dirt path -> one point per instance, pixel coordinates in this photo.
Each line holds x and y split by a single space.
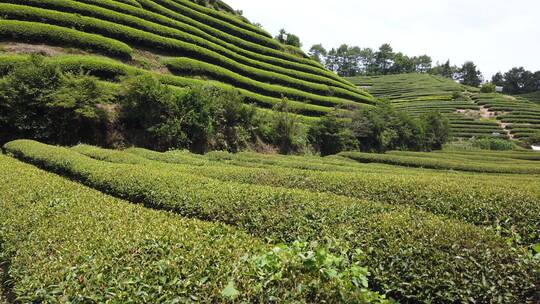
485 113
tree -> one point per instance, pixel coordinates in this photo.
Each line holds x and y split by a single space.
436 130
318 53
402 64
423 63
498 79
330 135
285 128
488 87
518 81
38 101
384 58
287 38
469 75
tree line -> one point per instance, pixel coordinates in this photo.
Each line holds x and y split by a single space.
518 81
350 61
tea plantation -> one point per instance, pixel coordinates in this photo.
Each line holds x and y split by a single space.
200 225
85 224
180 42
471 113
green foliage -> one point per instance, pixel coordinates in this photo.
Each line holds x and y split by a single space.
534 139
40 33
331 135
350 61
469 75
38 101
494 144
393 237
289 39
327 273
200 118
284 129
161 114
488 87
436 130
383 129
518 81
84 242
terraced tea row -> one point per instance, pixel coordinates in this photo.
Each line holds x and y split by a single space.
86 246
521 117
112 70
215 50
418 94
445 161
392 237
480 201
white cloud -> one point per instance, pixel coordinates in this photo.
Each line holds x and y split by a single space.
495 34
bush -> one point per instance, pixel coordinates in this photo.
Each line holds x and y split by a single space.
330 135
488 88
38 101
382 128
436 130
199 118
161 117
285 129
534 139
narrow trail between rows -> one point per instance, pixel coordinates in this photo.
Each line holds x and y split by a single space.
486 113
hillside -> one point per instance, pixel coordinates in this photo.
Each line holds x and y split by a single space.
470 112
181 42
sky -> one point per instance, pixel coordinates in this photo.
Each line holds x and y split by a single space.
495 34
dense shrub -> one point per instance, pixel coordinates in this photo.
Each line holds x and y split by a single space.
534 139
200 118
331 135
414 256
165 118
436 130
488 88
283 130
38 101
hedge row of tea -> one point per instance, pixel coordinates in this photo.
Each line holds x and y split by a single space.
413 255
521 117
67 243
445 161
418 94
228 52
480 201
112 70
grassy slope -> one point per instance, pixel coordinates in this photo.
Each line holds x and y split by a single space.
248 58
473 114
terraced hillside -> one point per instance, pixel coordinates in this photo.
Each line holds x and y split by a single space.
183 43
471 113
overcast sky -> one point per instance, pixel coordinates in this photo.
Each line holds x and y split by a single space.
496 34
